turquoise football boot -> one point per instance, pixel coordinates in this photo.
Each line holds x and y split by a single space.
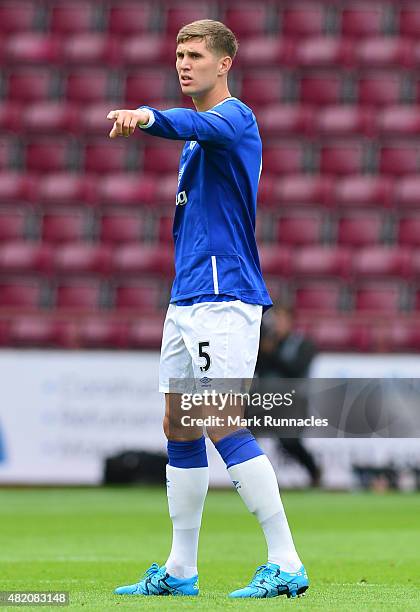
156 581
270 581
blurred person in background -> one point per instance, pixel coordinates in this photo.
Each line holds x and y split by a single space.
285 353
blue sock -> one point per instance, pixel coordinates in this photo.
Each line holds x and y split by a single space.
191 454
238 447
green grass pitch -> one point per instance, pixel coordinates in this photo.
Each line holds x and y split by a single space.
362 551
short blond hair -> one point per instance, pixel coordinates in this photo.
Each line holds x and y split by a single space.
217 36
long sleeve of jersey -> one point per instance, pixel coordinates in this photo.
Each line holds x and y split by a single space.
222 127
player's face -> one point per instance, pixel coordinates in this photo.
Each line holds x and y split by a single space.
197 67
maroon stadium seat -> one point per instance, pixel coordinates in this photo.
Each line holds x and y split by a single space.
280 119
146 333
147 50
378 297
145 85
124 188
161 157
24 257
410 21
318 296
140 297
29 85
399 120
103 155
93 121
65 188
102 333
12 224
166 189
399 158
17 16
50 118
275 260
127 18
360 229
320 261
72 17
386 51
321 88
65 226
32 48
305 19
81 295
262 88
13 186
20 293
367 20
401 335
408 231
176 16
380 261
87 85
303 189
358 190
345 120
122 227
248 19
380 89
136 260
82 258
91 48
31 331
338 334
284 157
407 191
322 52
47 155
263 52
300 229
342 158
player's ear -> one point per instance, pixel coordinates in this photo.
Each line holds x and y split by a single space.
224 65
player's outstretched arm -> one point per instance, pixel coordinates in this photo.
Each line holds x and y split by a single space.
126 121
222 127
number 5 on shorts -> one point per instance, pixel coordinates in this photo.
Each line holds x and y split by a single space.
204 354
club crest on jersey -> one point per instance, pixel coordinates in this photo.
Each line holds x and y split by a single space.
181 198
192 144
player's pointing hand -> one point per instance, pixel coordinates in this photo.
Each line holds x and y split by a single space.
126 121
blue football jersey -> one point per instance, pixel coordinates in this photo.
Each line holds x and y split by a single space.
214 224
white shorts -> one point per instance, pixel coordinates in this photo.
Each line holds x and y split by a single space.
216 340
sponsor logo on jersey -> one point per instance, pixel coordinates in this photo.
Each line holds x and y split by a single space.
181 198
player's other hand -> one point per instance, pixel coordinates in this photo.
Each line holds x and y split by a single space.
126 121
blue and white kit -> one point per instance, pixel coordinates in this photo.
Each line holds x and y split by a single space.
216 256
